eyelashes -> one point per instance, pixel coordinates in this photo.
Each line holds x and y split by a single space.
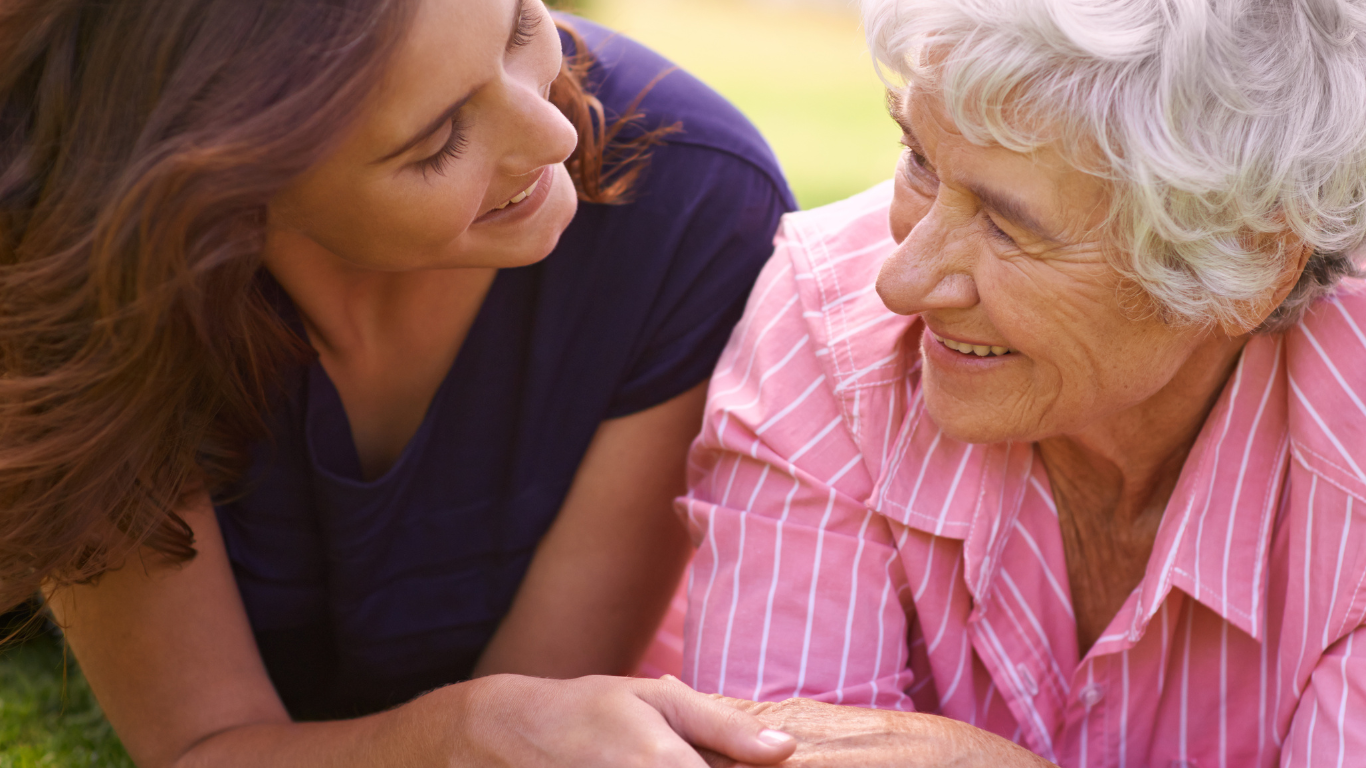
454 147
996 232
527 25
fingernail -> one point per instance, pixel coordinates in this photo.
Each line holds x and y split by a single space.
775 738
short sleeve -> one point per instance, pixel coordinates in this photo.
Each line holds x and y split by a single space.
795 589
723 233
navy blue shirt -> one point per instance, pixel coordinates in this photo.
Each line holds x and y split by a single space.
364 594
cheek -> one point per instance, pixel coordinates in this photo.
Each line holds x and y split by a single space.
1047 313
1087 355
425 215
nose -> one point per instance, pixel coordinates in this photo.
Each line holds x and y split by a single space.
537 134
932 267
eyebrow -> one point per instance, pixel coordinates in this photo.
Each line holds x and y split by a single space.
454 109
1014 209
1010 207
894 109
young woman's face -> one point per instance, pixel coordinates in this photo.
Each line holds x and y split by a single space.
458 130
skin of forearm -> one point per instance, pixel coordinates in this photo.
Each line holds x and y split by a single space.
424 732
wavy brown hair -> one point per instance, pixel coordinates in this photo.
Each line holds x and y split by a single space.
140 142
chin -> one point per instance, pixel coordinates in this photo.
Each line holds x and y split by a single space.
530 244
968 422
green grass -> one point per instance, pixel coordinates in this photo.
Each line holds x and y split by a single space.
801 74
48 718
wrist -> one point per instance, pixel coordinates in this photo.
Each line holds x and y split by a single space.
433 727
469 718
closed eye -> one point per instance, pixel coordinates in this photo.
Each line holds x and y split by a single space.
995 231
528 23
450 151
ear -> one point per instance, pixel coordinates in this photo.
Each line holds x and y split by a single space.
1295 254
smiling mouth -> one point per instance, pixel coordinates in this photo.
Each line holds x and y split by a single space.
973 349
520 196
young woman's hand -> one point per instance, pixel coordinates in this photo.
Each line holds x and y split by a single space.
170 655
831 736
606 722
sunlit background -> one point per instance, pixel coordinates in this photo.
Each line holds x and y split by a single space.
798 68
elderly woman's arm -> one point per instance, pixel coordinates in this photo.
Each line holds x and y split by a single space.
833 736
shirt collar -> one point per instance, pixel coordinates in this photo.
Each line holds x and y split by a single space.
1214 539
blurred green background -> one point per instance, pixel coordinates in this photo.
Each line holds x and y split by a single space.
798 68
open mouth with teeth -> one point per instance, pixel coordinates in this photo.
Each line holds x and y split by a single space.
979 350
519 197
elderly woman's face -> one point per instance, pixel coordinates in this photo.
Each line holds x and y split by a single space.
1030 332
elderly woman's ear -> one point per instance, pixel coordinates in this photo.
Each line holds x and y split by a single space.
1294 254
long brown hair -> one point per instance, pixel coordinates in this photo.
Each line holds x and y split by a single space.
140 142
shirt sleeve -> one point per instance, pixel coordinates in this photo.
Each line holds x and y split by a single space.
720 232
795 588
1329 726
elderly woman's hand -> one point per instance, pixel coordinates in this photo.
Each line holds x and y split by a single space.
831 736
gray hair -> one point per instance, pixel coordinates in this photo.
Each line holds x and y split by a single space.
1221 123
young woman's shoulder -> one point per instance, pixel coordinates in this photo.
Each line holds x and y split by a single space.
625 71
663 276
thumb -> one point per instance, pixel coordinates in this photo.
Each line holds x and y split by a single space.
705 722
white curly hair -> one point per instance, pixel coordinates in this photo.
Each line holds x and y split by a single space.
1218 122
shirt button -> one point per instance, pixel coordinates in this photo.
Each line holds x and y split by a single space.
1091 695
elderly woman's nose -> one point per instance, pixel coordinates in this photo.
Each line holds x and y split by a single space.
932 268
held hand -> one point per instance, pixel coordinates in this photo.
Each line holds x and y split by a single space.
606 722
832 736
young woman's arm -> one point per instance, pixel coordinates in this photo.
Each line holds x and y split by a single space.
603 575
170 656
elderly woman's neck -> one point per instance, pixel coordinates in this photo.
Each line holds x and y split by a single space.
1112 482
1121 463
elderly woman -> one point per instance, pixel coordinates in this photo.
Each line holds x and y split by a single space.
1073 453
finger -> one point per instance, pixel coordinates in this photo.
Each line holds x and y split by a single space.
744 705
716 759
661 745
719 727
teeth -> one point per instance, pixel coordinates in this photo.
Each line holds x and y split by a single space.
517 198
980 350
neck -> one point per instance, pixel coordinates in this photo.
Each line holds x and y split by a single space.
1128 463
1112 482
348 310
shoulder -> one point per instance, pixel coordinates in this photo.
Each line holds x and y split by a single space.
816 346
835 253
623 70
1326 369
1319 561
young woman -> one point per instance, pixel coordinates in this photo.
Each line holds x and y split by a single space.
322 400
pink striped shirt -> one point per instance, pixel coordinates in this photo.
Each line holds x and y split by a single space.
851 553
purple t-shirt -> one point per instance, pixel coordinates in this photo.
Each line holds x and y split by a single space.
363 594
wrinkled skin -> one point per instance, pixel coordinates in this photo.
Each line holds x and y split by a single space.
831 736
